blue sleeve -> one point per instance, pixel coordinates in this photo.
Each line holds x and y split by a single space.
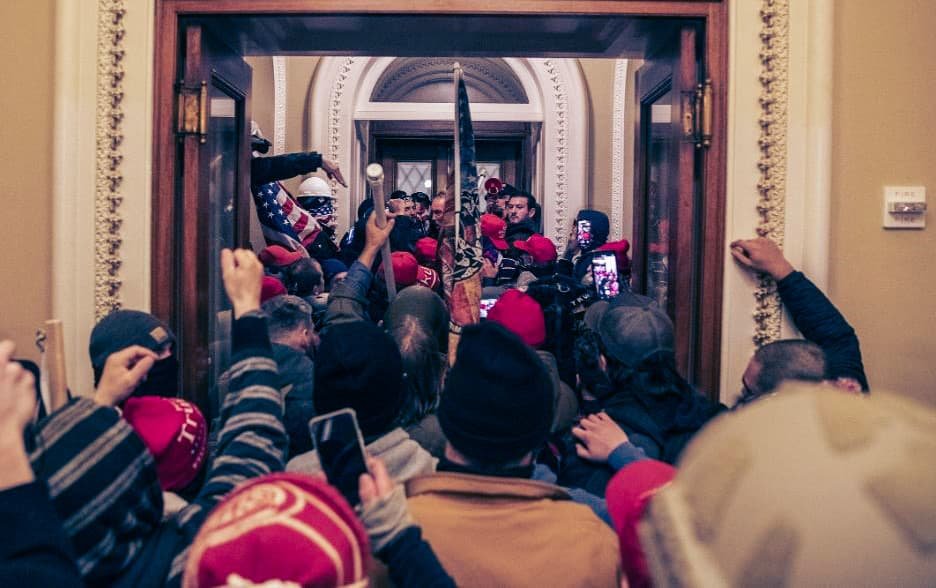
348 300
820 322
625 454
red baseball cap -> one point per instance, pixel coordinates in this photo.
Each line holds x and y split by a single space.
271 288
426 248
175 433
494 227
288 527
620 249
520 314
493 185
279 256
539 247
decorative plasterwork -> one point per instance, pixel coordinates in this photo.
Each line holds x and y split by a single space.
425 79
771 204
279 105
617 150
109 137
559 132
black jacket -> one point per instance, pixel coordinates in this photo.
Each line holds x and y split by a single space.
820 322
520 231
264 170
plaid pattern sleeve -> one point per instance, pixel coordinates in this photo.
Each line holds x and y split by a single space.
252 440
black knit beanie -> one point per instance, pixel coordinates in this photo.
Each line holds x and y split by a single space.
357 365
123 328
498 399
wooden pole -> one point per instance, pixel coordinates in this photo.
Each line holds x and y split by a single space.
375 178
55 364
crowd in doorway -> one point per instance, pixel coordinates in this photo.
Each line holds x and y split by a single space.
553 443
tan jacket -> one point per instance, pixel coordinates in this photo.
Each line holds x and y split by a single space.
490 531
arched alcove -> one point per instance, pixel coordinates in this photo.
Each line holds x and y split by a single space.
429 79
555 95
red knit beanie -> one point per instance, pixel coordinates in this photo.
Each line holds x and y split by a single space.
175 433
426 249
286 527
521 315
271 288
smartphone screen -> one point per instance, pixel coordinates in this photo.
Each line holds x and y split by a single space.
486 305
340 449
583 234
605 275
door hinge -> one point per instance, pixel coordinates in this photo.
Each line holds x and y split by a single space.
192 110
697 115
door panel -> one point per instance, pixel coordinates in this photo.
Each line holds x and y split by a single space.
214 192
668 168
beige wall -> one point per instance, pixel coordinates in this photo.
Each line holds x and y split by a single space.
599 78
884 128
27 46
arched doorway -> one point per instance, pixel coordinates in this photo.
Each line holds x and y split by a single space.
556 107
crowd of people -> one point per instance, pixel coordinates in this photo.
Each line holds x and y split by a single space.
558 444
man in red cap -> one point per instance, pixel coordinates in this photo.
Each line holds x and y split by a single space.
538 254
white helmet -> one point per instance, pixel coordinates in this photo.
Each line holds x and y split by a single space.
314 186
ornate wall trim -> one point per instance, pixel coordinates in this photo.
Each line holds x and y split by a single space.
771 187
279 105
617 149
109 137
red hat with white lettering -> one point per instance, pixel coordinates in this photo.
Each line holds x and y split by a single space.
285 529
175 433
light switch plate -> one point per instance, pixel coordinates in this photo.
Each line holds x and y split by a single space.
904 198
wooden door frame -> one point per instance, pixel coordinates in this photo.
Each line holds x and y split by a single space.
714 13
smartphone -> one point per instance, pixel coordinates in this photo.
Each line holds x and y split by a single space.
605 275
583 234
486 305
340 448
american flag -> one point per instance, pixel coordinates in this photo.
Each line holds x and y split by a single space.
284 222
460 248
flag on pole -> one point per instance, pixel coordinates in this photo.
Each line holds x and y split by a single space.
460 247
283 221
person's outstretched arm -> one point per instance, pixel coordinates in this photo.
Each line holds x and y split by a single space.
35 550
252 440
264 170
813 313
348 300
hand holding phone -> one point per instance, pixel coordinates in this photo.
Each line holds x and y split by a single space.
583 234
340 448
605 275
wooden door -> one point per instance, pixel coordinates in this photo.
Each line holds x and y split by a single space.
431 160
213 194
667 248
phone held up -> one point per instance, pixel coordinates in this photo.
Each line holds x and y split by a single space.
340 448
486 305
583 234
605 275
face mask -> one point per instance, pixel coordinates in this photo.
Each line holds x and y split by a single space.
161 379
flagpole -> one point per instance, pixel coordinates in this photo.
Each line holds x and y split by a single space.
457 187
